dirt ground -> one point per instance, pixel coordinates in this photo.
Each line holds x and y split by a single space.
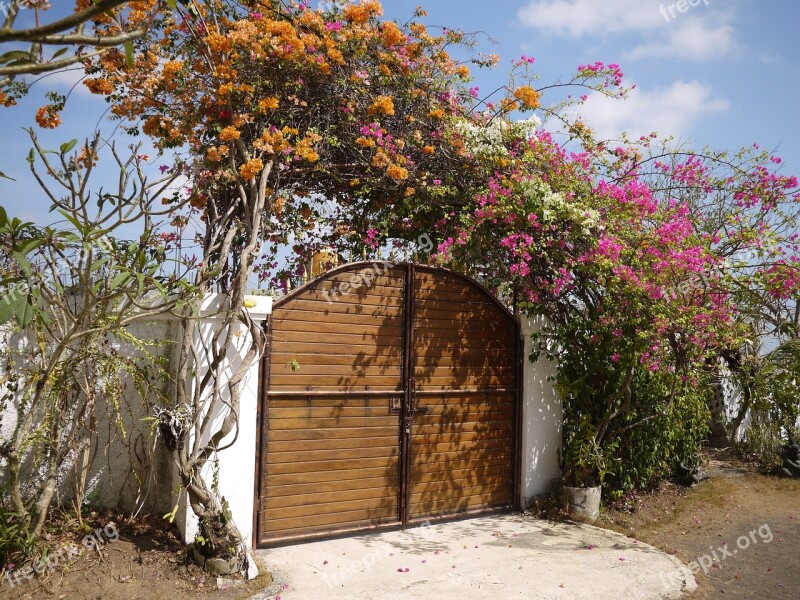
145 561
755 518
739 530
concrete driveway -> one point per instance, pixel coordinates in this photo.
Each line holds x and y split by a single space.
508 556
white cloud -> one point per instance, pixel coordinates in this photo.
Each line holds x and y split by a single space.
702 32
691 39
669 111
585 17
64 81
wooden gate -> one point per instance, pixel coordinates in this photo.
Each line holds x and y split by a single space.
391 396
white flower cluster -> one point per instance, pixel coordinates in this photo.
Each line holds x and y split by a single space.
486 140
554 206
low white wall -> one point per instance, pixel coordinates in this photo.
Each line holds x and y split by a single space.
122 467
541 421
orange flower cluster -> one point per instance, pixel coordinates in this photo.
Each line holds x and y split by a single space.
216 154
47 117
383 105
391 34
99 86
251 168
528 96
268 103
229 134
397 172
361 13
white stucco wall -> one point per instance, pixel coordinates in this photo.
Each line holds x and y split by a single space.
541 422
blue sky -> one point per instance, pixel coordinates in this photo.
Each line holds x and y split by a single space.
722 73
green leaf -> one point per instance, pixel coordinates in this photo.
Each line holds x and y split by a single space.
23 263
21 55
58 53
31 156
129 52
11 304
67 146
118 280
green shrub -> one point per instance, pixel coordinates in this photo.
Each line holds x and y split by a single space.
16 540
645 455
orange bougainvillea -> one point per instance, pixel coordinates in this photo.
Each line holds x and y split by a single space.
383 105
325 102
397 173
251 168
47 117
528 96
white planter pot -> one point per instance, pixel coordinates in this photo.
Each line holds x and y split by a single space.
582 502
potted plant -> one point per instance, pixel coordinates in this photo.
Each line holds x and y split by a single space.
583 468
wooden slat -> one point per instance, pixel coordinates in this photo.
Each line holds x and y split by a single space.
469 475
450 439
312 370
311 493
446 460
461 488
423 381
462 372
475 412
316 412
303 532
279 479
468 464
320 466
368 350
480 313
374 502
466 448
335 501
455 400
425 507
345 305
349 422
333 433
379 514
346 336
359 442
435 428
302 381
320 455
377 327
345 360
